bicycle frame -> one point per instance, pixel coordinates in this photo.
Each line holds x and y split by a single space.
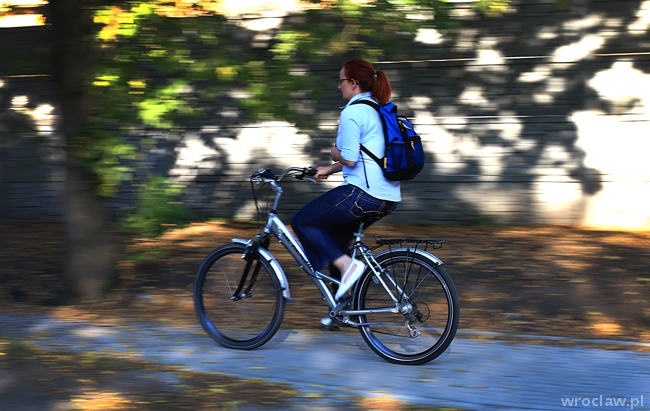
276 227
403 294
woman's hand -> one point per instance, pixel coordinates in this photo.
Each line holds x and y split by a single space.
323 172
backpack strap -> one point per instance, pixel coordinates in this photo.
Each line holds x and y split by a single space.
376 106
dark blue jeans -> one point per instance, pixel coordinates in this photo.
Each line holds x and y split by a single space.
326 225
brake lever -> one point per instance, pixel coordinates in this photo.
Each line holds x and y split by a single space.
310 173
306 173
260 175
267 173
304 177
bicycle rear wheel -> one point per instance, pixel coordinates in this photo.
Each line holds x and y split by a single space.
430 309
245 323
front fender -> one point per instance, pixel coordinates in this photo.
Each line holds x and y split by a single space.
277 269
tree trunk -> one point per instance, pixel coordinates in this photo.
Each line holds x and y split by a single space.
88 261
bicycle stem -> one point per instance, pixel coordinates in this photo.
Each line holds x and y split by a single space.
278 194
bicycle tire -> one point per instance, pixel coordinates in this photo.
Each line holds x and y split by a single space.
244 324
431 292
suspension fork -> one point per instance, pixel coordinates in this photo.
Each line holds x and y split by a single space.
249 255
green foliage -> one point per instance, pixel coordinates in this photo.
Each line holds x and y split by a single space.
366 30
198 60
156 71
104 153
155 110
158 208
493 7
565 4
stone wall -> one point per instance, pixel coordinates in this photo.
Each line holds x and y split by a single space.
31 163
538 116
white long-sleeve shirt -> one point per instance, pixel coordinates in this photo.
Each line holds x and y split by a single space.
360 124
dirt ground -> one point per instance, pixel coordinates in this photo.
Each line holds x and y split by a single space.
559 281
550 281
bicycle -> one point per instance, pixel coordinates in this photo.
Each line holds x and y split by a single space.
405 304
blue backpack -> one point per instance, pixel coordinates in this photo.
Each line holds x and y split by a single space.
404 155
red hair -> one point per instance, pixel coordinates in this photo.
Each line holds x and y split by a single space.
369 79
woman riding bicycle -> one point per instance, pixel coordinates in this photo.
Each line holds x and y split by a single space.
326 225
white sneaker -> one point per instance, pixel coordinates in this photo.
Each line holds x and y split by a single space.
327 324
352 274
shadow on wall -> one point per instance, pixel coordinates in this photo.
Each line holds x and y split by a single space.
513 100
524 117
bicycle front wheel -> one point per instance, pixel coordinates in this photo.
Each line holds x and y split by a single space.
242 323
429 308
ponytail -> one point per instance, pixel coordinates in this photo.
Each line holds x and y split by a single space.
382 90
369 79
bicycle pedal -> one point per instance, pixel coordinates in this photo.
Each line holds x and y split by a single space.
330 327
327 324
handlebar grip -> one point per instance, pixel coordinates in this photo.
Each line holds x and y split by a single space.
267 173
311 171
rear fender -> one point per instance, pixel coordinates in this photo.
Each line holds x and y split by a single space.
421 253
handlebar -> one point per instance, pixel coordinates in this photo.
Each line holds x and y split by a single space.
299 173
266 175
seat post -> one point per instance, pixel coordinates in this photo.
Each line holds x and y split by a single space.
359 234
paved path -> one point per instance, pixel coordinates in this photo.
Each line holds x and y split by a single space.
473 374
